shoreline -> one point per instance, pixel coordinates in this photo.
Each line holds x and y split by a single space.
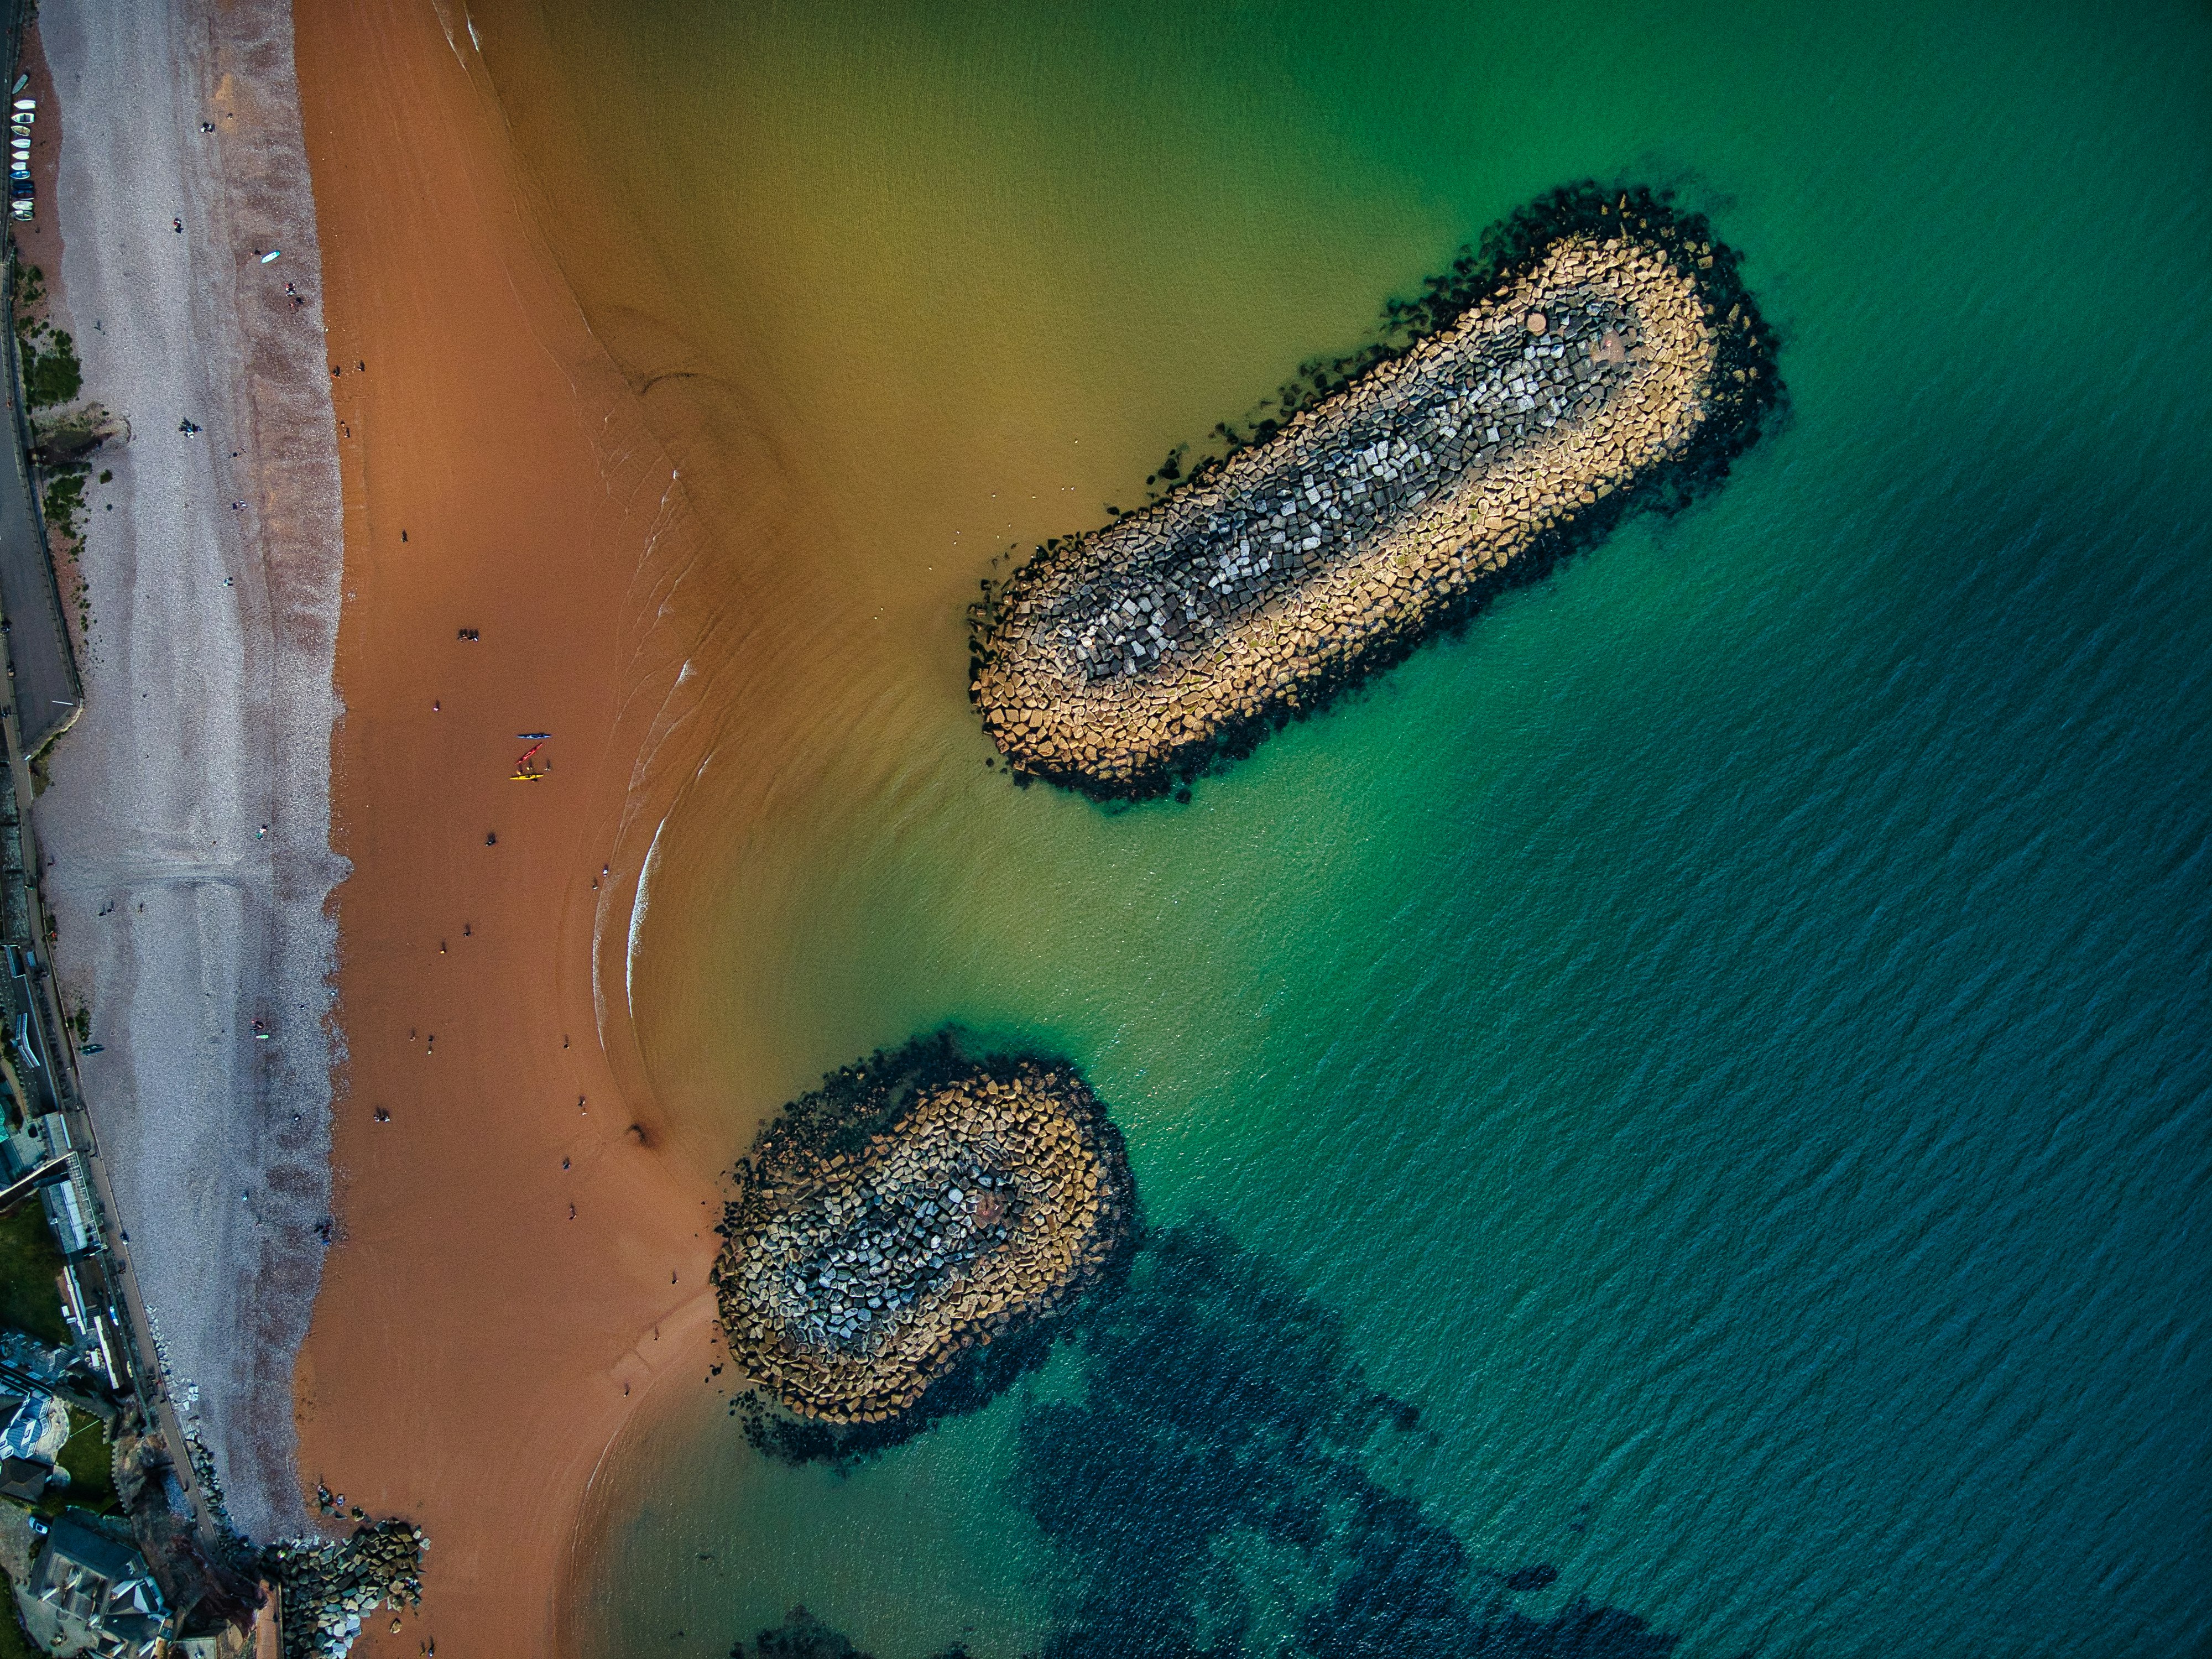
1601 356
188 818
511 531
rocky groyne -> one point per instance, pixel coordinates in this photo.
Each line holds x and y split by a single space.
1603 355
332 1588
917 1208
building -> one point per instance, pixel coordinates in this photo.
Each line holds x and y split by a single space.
90 1592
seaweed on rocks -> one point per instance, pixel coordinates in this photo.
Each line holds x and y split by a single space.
908 1238
1597 355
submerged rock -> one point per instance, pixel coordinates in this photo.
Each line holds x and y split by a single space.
1606 355
914 1209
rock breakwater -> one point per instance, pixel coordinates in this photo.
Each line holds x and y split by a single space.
1602 355
915 1209
332 1588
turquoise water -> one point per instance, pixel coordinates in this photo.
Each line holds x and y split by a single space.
1726 1038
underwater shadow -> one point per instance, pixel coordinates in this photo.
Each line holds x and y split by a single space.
1224 1418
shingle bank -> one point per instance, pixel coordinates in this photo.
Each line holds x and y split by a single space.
1604 355
917 1207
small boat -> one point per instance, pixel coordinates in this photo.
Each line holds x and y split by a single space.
272 256
535 737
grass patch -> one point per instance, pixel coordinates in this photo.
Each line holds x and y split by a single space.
15 1643
90 1461
29 1299
52 373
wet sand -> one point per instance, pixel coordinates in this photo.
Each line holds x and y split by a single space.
488 1316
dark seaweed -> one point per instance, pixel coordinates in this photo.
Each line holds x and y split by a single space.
1747 393
802 1636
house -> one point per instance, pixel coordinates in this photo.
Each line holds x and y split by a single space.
31 1445
90 1592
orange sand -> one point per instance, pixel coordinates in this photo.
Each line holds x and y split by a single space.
474 1349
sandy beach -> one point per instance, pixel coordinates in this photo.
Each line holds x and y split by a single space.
188 822
289 860
519 1255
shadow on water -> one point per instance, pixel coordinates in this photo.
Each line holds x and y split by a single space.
1222 1423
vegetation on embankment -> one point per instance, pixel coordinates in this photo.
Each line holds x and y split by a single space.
52 374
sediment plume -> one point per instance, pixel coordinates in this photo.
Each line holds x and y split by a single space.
1604 355
918 1206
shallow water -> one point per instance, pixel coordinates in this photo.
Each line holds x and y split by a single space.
1726 1035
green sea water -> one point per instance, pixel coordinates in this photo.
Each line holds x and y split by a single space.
1725 1039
